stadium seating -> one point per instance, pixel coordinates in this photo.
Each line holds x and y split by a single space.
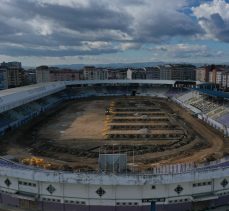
186 97
22 114
224 119
214 109
19 115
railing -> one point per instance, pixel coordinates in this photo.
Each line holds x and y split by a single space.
172 169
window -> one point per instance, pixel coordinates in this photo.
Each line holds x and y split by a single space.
201 184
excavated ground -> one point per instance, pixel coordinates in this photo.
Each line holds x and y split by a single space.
71 136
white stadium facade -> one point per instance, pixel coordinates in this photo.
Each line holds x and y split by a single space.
178 187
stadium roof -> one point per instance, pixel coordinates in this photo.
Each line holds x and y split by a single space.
11 98
15 97
213 93
144 81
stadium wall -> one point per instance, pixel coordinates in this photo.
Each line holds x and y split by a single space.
53 190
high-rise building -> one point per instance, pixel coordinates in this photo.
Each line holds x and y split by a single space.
43 74
3 78
14 73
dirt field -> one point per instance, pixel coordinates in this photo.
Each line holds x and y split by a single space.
79 121
72 136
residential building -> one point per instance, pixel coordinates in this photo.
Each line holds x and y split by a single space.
219 75
201 74
50 74
178 72
43 74
165 72
29 77
117 74
133 74
3 78
64 75
153 73
92 73
225 80
14 73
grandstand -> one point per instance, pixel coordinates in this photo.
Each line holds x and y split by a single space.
18 116
212 107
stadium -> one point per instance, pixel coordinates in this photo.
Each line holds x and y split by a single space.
114 145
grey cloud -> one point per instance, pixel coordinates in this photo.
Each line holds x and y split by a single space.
214 20
183 51
20 51
24 23
218 28
164 26
95 17
217 20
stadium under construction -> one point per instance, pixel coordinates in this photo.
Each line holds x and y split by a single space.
142 145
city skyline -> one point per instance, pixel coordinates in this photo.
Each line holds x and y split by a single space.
56 32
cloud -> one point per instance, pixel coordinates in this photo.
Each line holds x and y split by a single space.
128 46
88 27
213 17
184 51
163 20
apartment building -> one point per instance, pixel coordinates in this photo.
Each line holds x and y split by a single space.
11 74
50 74
92 73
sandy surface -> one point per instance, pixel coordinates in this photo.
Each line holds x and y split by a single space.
206 132
79 121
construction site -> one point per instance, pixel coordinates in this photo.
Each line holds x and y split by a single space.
141 119
150 131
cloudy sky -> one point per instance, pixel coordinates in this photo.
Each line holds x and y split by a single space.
52 32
